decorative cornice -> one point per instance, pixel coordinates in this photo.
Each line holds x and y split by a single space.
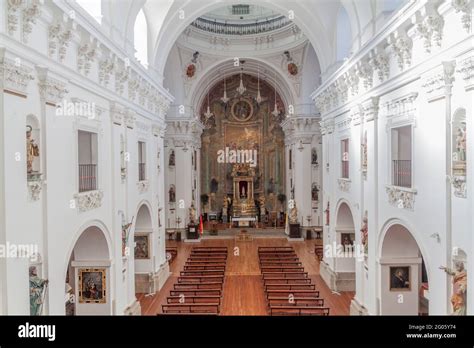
464 6
466 69
130 118
51 90
400 197
59 37
402 46
437 85
30 14
404 106
86 55
89 200
16 77
459 186
106 68
117 113
12 15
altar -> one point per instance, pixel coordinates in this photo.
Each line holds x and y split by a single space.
244 221
243 193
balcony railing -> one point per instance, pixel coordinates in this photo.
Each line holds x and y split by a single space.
345 169
240 29
141 171
87 177
401 171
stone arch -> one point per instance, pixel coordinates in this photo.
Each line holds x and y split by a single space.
400 251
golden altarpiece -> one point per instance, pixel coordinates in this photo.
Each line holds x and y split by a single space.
244 122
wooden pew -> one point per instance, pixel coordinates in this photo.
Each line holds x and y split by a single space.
202 272
291 281
200 279
205 263
280 248
280 263
185 308
282 258
202 292
204 267
289 287
293 275
282 268
295 293
194 299
198 286
295 301
296 310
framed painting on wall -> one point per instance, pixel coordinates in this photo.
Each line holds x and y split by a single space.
400 278
92 285
142 246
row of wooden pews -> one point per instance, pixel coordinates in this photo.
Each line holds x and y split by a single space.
288 288
198 290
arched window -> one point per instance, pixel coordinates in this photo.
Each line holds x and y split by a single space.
344 35
93 7
141 39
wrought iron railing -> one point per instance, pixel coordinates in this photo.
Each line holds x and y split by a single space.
87 177
241 29
401 171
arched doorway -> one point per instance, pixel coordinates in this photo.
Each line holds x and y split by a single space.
403 275
88 275
344 261
143 251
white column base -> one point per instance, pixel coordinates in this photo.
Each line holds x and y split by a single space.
133 309
337 281
357 309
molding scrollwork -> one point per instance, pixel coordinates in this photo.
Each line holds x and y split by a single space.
86 54
59 37
34 189
30 14
459 186
436 85
16 77
402 46
143 186
401 197
106 68
52 90
117 113
464 6
12 15
122 74
130 118
466 69
344 184
89 200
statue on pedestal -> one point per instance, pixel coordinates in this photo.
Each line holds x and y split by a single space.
32 150
365 234
37 290
293 215
192 214
458 299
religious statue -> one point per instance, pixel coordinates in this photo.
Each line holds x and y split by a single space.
327 214
364 155
192 214
172 161
243 193
172 195
37 290
261 202
32 150
271 186
125 234
458 299
314 157
461 144
293 215
365 234
314 193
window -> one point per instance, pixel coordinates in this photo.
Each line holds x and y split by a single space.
239 10
345 159
87 145
401 156
141 161
141 39
343 35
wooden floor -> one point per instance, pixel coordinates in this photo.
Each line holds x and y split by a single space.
243 291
